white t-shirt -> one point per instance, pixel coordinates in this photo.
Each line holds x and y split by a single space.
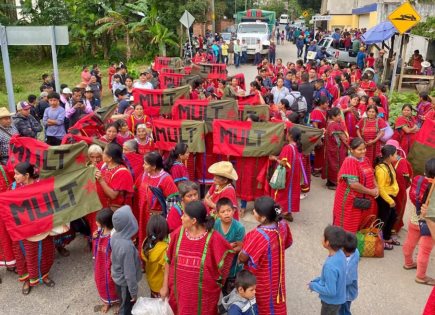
139 85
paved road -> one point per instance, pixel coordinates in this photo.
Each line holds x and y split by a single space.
385 287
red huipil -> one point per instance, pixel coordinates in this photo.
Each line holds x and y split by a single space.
121 138
119 179
197 269
430 304
145 200
385 105
290 198
174 216
369 87
248 169
133 121
405 139
344 214
266 247
179 172
404 176
306 164
336 151
319 116
102 264
422 109
7 257
355 76
147 146
227 192
369 129
351 118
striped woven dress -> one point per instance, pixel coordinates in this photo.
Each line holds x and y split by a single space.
344 214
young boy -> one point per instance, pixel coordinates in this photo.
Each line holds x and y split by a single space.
331 285
233 231
54 120
126 267
352 257
241 301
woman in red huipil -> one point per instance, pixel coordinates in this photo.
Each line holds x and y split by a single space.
136 118
291 158
355 74
115 182
404 174
381 89
368 85
102 261
7 258
34 256
318 119
371 129
352 115
223 176
336 146
144 138
355 179
175 163
154 189
405 128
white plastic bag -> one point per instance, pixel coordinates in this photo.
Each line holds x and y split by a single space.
151 306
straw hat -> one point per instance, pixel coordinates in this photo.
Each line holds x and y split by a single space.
4 112
224 169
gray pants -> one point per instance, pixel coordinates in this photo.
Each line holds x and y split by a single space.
329 309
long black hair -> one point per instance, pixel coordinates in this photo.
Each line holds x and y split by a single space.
337 80
114 151
26 168
295 133
157 231
196 210
387 151
268 208
153 158
180 149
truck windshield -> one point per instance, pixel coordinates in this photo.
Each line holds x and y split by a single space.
252 28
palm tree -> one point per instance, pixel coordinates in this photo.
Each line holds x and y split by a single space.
112 22
161 36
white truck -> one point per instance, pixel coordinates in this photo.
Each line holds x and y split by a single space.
251 32
339 56
283 19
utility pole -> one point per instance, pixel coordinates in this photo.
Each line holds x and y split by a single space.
213 18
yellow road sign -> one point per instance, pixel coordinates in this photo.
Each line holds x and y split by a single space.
305 13
404 17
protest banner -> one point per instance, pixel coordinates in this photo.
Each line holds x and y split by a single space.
166 62
423 148
39 207
171 80
106 112
262 111
50 160
247 138
90 125
170 132
310 136
251 99
171 70
240 77
210 71
159 102
205 110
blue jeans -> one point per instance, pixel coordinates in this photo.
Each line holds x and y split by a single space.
345 308
257 59
243 204
244 57
237 58
272 57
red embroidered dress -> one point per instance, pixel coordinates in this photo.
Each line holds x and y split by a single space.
119 179
336 151
405 139
344 214
403 176
265 246
290 198
198 267
319 116
133 121
248 169
146 146
369 129
7 258
102 263
147 202
179 172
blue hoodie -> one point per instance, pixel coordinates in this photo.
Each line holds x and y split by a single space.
331 285
126 266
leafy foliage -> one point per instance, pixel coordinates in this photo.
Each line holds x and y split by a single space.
397 100
426 29
274 5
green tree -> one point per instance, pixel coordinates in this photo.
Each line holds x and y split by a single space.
161 36
274 5
310 4
44 12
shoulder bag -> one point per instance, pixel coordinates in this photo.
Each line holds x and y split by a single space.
362 203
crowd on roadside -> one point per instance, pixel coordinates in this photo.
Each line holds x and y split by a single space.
192 249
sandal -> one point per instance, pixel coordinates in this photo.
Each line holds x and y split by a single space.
426 281
12 269
48 282
388 246
413 266
26 288
393 242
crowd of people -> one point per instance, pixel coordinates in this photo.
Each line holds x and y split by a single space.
194 250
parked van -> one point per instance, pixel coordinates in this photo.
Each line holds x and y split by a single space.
283 19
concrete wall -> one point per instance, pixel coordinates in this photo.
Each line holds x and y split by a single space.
337 7
340 21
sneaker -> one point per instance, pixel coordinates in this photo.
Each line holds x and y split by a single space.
303 196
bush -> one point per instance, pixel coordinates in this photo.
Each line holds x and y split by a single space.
396 102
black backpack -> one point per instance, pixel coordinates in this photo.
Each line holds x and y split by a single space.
298 105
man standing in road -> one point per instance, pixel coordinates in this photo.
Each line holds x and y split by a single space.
257 58
379 66
237 53
244 49
300 45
